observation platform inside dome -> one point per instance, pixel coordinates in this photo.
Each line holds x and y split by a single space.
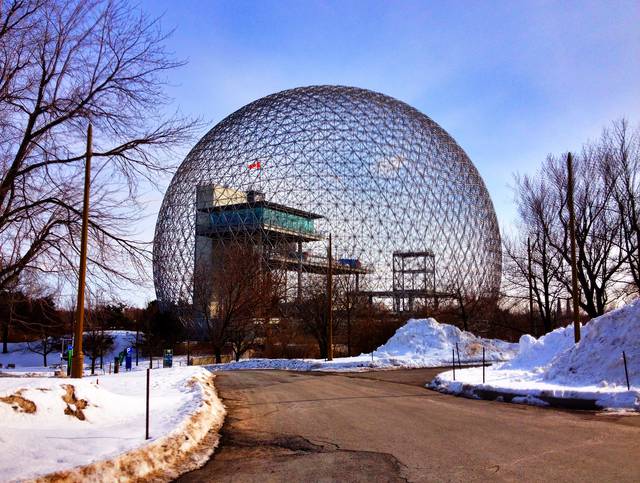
226 215
270 219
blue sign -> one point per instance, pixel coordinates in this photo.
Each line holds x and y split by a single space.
127 361
167 360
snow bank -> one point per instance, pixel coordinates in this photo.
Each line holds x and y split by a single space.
418 343
426 342
94 428
553 367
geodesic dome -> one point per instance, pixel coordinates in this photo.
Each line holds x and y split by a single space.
383 177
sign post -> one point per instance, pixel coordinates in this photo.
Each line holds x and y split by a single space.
69 359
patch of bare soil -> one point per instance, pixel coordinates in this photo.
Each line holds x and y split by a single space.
74 405
19 403
474 348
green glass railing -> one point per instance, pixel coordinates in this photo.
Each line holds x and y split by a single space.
253 217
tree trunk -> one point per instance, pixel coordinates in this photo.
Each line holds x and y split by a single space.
349 334
218 353
5 337
322 345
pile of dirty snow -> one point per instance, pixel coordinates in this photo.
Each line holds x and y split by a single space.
94 428
426 342
418 343
552 368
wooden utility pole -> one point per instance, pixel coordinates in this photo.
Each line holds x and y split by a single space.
329 302
77 362
574 262
530 279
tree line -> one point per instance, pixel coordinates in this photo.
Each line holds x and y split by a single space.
607 197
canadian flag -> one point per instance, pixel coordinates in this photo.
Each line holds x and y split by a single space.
254 165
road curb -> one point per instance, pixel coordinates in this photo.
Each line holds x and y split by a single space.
542 399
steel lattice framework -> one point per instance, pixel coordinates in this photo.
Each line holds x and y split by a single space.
383 176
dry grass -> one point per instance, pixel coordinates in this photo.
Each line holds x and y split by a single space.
19 404
74 405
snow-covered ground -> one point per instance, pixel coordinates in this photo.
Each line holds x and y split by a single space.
26 360
94 428
554 367
418 343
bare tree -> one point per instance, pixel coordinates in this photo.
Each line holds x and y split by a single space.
233 296
347 306
547 268
311 311
620 168
46 325
9 298
96 342
64 64
600 237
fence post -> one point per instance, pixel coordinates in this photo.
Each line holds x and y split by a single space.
482 364
626 371
147 408
453 355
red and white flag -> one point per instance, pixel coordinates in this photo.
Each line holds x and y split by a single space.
254 165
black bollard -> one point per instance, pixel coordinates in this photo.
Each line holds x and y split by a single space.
482 364
453 356
626 371
147 410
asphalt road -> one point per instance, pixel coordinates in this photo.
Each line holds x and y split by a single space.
385 426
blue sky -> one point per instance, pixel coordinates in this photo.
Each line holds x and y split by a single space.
510 81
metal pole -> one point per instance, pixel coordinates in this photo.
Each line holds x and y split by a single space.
483 365
330 302
458 351
530 276
78 356
299 294
453 358
574 263
146 433
626 371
